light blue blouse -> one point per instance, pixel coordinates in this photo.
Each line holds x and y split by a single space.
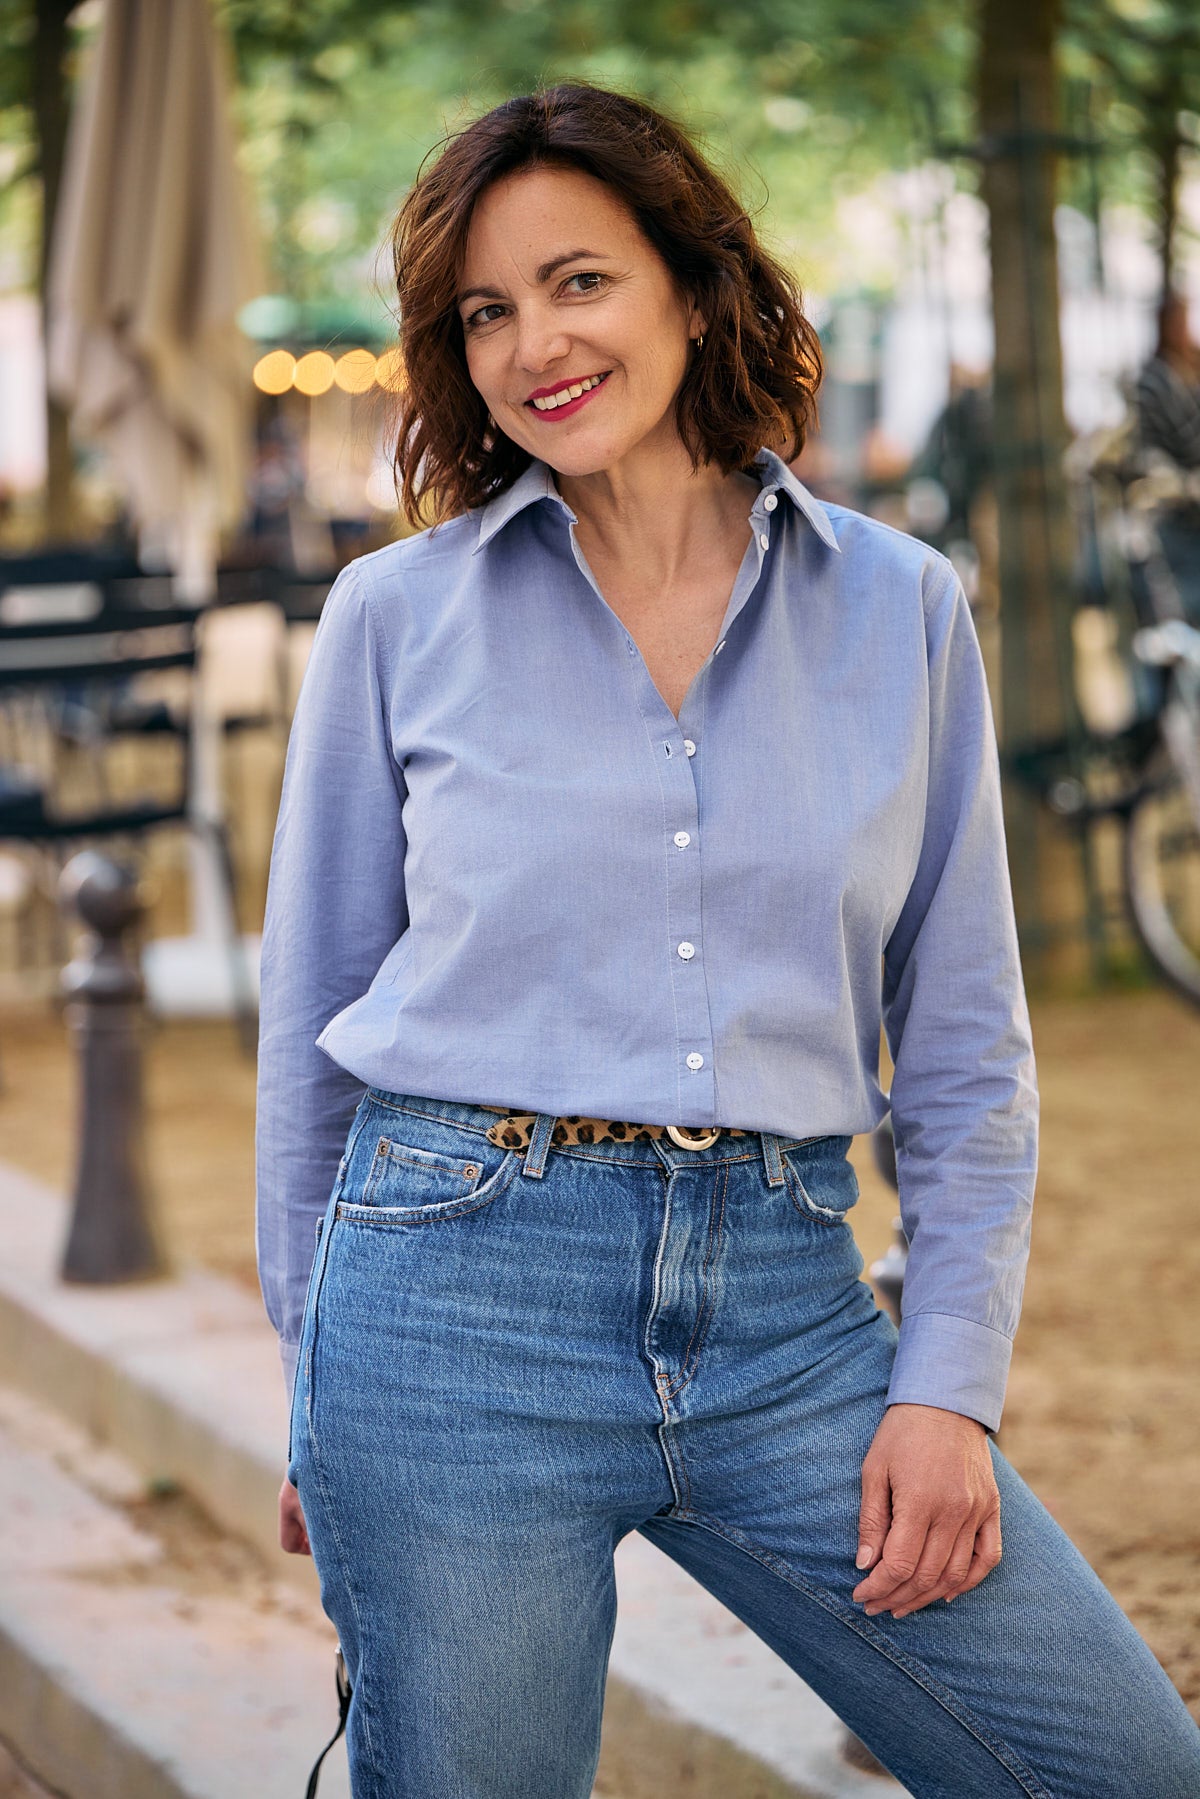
504 872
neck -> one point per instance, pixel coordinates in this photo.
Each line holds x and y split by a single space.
654 513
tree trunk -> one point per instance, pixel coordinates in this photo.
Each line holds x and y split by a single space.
1167 149
1017 103
50 112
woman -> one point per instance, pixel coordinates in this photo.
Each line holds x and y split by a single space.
605 803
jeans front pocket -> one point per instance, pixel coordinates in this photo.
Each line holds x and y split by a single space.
415 1168
820 1180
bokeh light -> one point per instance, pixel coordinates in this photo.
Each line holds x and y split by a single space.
314 373
274 372
389 371
355 371
381 487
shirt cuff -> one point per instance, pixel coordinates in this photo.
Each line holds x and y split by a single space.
289 1355
953 1363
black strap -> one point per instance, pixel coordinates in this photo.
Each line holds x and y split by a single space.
343 1691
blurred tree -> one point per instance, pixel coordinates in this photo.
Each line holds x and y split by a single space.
808 98
1147 61
1018 153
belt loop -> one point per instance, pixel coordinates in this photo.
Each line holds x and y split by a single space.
539 1145
772 1159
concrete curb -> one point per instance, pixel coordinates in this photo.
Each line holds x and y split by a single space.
122 1676
182 1377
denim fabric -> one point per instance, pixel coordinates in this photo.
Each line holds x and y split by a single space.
505 872
510 1359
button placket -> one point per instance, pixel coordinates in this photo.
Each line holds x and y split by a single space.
693 1024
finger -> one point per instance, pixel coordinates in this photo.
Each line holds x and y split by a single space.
874 1513
899 1559
961 1557
294 1539
926 1578
953 1574
293 1532
988 1552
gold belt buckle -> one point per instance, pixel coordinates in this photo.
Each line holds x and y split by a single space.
676 1133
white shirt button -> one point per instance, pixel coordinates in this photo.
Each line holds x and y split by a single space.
764 540
689 746
682 839
771 501
719 647
695 1060
687 951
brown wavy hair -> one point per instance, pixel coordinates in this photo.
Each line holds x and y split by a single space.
753 383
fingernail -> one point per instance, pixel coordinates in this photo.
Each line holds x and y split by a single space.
873 1611
863 1558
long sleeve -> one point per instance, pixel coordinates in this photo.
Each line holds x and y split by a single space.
335 907
964 1096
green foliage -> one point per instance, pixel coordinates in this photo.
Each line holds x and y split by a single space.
800 101
1133 68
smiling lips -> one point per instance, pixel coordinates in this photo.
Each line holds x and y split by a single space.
569 397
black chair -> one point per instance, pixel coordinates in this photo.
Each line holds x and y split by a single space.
72 683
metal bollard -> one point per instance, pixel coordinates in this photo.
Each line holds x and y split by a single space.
112 1236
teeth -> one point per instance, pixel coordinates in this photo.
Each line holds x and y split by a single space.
550 401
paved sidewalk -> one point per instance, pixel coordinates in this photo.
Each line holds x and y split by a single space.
180 1379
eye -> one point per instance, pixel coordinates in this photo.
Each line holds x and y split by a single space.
588 275
474 319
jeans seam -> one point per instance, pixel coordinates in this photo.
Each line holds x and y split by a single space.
455 1124
322 1255
676 1466
916 1671
707 1304
348 1583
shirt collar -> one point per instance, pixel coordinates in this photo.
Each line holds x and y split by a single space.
776 475
537 483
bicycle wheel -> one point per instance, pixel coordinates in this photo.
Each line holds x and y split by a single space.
1162 880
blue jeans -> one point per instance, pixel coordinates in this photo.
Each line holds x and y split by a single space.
511 1358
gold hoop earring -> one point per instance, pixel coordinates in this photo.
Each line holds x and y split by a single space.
699 341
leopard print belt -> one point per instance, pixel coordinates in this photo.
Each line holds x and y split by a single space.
513 1130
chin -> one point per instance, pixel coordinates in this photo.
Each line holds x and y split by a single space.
578 459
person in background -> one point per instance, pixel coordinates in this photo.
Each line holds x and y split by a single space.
1167 406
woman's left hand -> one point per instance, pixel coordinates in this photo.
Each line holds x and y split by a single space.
929 1523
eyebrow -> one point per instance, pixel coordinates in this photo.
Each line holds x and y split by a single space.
544 273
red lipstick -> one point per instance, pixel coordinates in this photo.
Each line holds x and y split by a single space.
571 406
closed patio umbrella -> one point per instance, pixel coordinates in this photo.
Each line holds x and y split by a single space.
153 256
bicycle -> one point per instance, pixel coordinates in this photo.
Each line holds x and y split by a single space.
1147 774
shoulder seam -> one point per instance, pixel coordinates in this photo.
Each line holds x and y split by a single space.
381 645
879 524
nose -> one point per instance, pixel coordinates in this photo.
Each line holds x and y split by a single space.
541 340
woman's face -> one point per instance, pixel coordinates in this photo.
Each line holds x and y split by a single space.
559 287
